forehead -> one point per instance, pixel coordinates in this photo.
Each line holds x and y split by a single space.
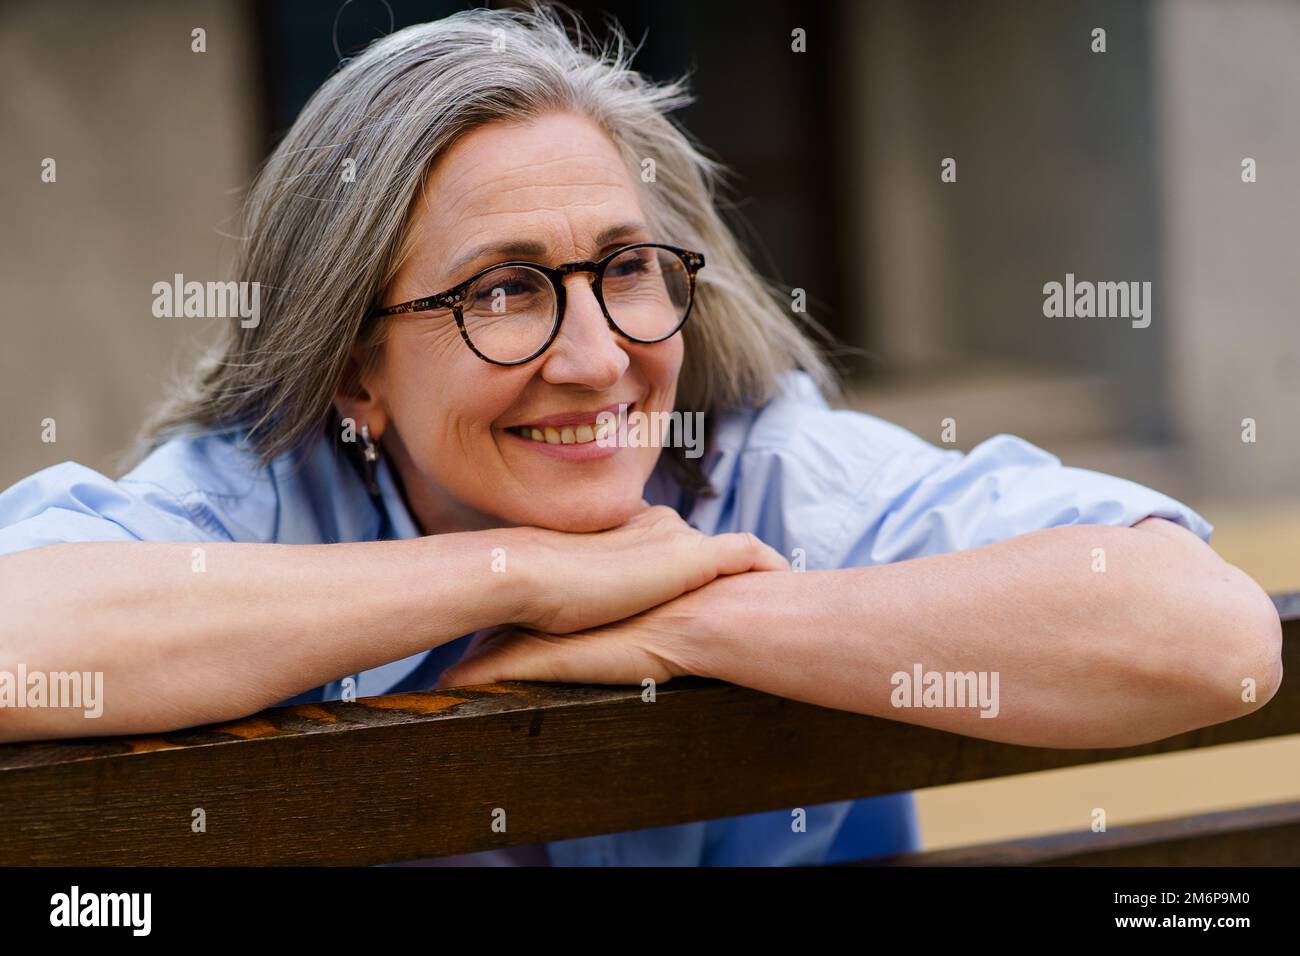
556 179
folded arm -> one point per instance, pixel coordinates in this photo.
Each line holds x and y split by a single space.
1157 643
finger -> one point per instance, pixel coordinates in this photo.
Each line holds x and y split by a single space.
460 674
506 655
467 673
599 656
739 552
770 559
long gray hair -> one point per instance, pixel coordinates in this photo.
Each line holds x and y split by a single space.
324 224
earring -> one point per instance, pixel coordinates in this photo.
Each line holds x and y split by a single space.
369 454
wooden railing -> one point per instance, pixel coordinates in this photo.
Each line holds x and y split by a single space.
408 776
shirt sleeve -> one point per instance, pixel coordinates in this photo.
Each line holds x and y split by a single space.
931 501
70 502
850 490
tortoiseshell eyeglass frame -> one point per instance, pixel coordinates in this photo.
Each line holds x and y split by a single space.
454 298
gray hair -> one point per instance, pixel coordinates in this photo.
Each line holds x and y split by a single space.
323 249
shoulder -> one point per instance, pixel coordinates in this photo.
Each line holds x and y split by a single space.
790 470
851 489
837 453
203 486
844 445
216 477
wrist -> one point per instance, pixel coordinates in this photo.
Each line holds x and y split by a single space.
489 573
725 620
522 593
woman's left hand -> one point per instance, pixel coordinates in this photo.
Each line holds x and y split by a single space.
661 643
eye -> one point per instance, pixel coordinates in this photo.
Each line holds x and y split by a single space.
509 289
629 265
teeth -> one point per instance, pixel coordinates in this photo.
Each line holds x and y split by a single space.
566 435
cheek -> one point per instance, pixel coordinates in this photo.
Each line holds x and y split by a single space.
442 398
668 368
662 365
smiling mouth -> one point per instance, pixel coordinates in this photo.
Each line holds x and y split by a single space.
580 433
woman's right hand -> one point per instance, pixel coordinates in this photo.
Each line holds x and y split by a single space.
579 581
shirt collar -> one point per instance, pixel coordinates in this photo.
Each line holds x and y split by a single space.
399 525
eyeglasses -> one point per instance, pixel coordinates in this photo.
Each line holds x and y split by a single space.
510 313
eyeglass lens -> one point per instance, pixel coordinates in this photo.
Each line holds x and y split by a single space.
510 312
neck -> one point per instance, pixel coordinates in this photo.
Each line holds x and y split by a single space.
433 509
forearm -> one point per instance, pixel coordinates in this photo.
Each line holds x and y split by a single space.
1158 643
185 637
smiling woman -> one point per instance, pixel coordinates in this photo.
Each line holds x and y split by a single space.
540 355
462 268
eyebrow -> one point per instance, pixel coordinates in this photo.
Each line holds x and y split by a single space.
533 250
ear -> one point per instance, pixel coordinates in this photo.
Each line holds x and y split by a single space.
359 398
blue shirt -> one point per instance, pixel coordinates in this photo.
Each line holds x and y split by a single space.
844 488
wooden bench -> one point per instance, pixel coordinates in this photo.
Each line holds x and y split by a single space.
407 776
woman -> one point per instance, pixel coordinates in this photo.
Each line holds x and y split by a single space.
463 264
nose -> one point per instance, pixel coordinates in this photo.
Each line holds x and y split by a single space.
587 350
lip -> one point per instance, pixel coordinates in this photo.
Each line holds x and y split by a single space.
572 418
587 451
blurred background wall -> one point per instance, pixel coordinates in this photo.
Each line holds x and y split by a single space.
1117 166
151 144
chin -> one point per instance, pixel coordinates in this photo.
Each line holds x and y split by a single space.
586 516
